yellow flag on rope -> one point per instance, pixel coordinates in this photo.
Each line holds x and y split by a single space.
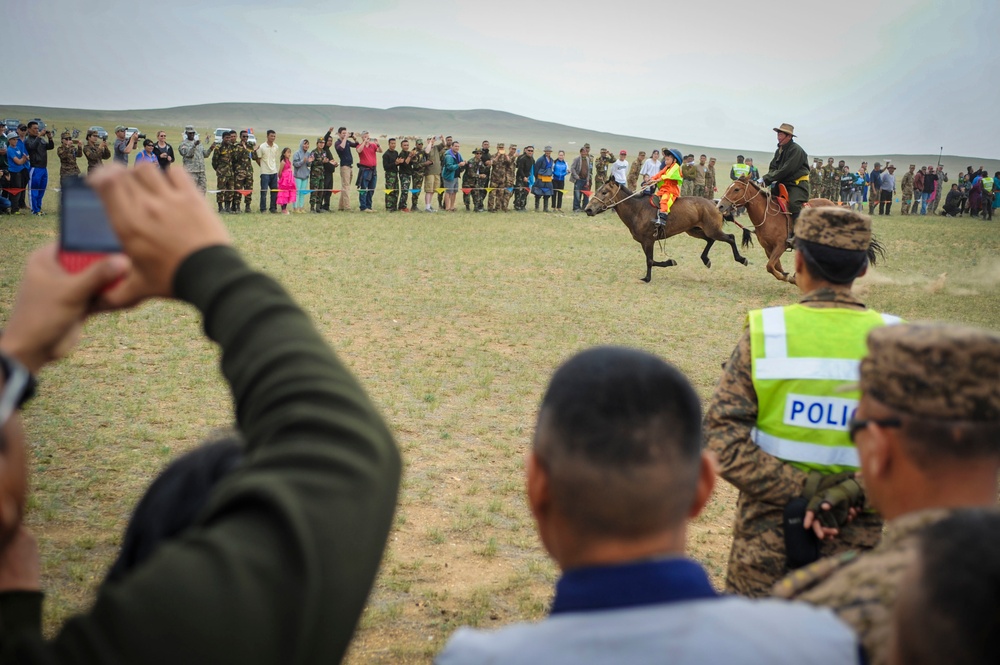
489 189
439 190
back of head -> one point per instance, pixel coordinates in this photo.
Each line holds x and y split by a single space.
950 610
943 381
619 432
834 243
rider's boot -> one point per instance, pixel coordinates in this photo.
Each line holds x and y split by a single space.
661 219
790 240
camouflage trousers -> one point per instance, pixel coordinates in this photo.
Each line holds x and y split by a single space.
699 191
316 196
199 180
417 184
932 206
599 181
478 196
520 197
404 190
225 182
632 181
687 188
495 197
243 181
505 195
757 558
907 199
391 190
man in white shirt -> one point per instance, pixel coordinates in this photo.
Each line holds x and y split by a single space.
619 170
266 155
887 187
615 473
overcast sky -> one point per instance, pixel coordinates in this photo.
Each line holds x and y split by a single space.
903 76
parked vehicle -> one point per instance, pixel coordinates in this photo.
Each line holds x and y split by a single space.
101 132
219 132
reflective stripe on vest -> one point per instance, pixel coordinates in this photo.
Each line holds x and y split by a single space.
741 170
802 357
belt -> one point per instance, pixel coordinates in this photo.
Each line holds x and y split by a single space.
804 178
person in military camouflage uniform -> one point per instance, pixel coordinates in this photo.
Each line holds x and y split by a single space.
816 179
927 430
405 171
317 175
633 171
689 173
768 483
470 177
710 184
906 188
418 165
242 172
508 179
390 167
222 162
601 164
497 177
96 151
830 179
69 151
193 154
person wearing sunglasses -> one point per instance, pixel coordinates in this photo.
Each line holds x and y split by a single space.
779 422
927 431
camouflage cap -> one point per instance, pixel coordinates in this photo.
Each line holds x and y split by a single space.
934 370
586 145
835 227
66 135
189 129
420 141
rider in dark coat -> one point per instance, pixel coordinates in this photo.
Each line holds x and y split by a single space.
790 167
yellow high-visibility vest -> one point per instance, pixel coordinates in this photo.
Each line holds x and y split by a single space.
801 360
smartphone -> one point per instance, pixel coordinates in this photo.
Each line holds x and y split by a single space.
85 235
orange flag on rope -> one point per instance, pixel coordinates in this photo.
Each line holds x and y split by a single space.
466 190
587 192
245 192
14 190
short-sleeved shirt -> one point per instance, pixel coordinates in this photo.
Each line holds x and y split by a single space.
16 150
366 155
268 158
120 155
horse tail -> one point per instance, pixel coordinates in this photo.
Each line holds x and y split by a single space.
876 251
747 239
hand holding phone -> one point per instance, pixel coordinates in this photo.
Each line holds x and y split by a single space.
85 235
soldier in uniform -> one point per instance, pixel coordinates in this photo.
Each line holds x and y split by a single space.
69 151
816 179
317 175
222 162
710 185
633 171
508 180
96 151
689 173
830 180
497 174
906 186
927 431
418 165
470 178
601 164
762 420
243 172
390 167
193 154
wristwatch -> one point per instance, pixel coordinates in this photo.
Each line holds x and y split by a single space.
18 386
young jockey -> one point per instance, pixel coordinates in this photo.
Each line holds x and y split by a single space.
669 178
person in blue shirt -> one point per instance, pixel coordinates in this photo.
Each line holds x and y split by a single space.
17 165
559 172
615 473
146 154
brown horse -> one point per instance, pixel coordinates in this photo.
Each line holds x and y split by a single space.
770 222
693 215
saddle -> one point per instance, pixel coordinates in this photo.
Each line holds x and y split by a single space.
781 196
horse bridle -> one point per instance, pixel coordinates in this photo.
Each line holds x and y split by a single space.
609 206
744 201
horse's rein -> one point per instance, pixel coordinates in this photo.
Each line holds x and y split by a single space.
747 201
609 206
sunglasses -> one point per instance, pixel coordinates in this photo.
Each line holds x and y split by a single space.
855 425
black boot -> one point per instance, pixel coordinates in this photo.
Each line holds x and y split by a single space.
661 219
220 207
545 204
247 207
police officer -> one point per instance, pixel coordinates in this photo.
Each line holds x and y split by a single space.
927 430
778 419
739 170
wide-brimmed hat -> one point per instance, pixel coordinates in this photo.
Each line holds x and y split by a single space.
786 129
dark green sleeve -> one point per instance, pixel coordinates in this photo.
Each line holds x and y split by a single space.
794 165
279 566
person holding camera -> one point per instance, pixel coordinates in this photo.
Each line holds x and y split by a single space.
124 146
193 155
367 176
68 153
96 151
37 146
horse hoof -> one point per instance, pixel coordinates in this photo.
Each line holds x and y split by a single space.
670 263
645 279
708 263
745 261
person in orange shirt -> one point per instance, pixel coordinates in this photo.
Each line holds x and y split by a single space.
669 179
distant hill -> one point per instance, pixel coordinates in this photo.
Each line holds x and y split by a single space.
469 126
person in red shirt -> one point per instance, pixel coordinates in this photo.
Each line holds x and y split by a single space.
367 176
669 178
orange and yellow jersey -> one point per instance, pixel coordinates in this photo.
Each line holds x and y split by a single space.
670 180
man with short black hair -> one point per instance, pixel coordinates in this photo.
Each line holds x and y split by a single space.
887 189
947 607
927 430
524 170
615 473
579 174
37 145
778 417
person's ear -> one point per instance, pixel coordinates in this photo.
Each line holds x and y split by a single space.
707 470
881 449
537 486
800 263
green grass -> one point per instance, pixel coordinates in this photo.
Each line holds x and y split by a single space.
454 324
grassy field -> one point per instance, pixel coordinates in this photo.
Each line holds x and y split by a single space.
453 322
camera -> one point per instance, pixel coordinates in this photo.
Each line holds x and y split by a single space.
142 137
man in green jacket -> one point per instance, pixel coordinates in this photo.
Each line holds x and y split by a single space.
790 167
278 565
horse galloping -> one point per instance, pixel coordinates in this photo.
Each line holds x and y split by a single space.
695 216
769 220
